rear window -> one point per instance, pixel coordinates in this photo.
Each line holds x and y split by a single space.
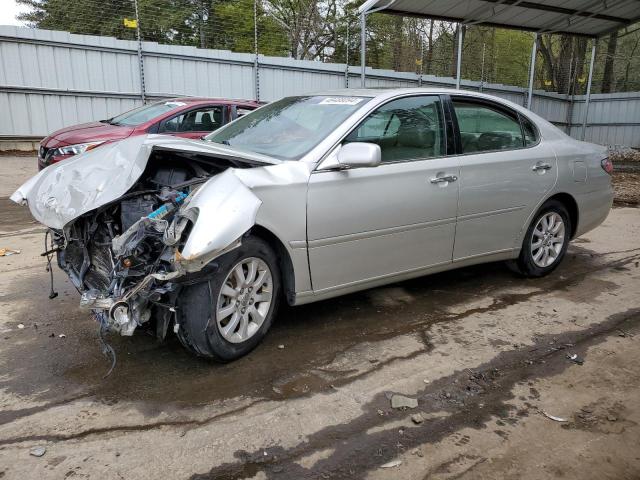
530 132
143 114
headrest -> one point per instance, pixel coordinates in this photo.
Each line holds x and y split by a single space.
206 120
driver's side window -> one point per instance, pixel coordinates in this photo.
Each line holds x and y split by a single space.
409 128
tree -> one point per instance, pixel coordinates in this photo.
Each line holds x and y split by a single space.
563 61
607 77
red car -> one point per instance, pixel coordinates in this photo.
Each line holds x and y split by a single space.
184 117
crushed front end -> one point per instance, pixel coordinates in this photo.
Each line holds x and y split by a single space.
122 256
129 256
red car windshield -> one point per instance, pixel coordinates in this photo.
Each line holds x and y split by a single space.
143 114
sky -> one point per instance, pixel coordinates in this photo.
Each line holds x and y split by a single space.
8 12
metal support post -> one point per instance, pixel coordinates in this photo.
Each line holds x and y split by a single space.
363 47
532 69
459 61
256 67
588 96
346 70
140 59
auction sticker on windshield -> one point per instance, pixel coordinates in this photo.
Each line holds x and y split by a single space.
341 101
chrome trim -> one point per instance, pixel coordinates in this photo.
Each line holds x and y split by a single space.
323 242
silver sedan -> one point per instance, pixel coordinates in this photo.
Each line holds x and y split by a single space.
308 198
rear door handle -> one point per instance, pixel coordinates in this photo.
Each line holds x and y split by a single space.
444 179
541 166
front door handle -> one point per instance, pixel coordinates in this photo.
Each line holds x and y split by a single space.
541 166
444 179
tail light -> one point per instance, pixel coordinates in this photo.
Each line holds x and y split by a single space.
607 165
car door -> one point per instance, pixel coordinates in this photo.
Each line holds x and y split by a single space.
194 123
371 224
505 171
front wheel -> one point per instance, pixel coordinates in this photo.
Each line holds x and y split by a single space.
546 241
225 317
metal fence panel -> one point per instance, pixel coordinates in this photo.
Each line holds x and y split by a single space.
51 79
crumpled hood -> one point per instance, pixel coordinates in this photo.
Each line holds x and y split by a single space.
64 191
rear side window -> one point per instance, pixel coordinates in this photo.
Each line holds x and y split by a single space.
408 128
242 111
530 132
484 129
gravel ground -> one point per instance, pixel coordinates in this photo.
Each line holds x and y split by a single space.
484 353
627 188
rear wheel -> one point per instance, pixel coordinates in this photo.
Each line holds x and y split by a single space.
546 241
225 317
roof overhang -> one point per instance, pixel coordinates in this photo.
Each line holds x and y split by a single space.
590 18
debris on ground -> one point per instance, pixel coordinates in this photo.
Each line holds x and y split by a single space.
37 451
392 464
612 418
5 252
417 418
402 402
280 347
575 358
20 326
62 335
553 417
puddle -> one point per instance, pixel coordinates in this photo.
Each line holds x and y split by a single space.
156 377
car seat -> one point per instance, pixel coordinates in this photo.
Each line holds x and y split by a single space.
414 141
208 124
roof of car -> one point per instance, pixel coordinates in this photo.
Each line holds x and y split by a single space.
376 92
231 101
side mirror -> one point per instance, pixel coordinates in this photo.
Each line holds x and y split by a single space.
353 155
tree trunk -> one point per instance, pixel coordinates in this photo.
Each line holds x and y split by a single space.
397 44
563 62
607 76
580 52
430 51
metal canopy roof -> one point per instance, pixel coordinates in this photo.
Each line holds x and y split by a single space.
576 17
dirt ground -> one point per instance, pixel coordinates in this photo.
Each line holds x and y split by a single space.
482 351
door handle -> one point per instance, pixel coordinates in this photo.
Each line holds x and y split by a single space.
541 166
444 179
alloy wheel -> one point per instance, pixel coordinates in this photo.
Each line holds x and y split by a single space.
244 300
548 239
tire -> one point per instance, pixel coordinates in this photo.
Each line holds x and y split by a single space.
200 305
532 263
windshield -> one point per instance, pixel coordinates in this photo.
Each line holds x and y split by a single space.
143 114
289 128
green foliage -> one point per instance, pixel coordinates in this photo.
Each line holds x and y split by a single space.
326 30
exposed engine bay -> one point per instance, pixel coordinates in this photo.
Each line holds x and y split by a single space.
126 257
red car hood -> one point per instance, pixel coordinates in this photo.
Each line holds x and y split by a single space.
87 132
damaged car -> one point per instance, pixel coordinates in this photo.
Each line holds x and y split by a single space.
308 198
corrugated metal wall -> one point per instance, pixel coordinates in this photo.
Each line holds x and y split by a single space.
51 79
